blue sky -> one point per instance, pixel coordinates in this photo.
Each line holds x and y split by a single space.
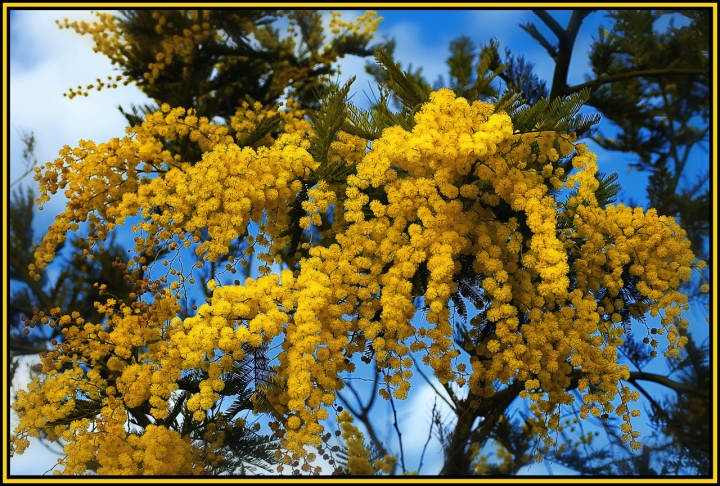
45 61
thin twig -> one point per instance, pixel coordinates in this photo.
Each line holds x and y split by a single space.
399 434
432 416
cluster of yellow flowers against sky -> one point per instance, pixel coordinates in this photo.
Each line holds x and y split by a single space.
418 198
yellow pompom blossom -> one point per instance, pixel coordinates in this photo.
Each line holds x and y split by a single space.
114 42
109 182
459 203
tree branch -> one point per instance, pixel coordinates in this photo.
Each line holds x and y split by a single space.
21 308
676 386
26 349
648 73
453 406
432 421
363 415
552 24
566 42
399 434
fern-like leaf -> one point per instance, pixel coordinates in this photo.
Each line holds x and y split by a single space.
326 123
485 74
608 189
411 93
560 114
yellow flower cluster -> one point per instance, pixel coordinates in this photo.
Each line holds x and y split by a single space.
459 200
98 377
462 183
109 182
107 35
157 451
177 44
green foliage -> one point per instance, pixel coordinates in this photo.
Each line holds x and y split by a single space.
655 87
519 76
560 114
28 140
327 120
485 74
609 188
462 55
678 417
410 91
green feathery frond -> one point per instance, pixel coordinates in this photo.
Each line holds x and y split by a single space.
560 114
369 124
510 102
410 92
262 403
326 123
485 74
358 122
608 189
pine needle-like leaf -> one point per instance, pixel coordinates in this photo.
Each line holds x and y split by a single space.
262 403
359 123
460 306
510 102
326 123
485 76
411 93
561 114
608 189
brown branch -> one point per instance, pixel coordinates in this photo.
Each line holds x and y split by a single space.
647 73
453 406
26 349
566 42
432 421
399 434
676 386
490 409
552 24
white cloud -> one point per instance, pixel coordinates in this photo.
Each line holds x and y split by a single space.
415 427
